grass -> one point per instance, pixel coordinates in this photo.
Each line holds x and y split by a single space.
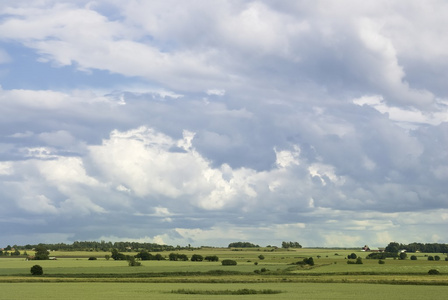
139 291
72 276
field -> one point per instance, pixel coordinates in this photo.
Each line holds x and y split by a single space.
72 276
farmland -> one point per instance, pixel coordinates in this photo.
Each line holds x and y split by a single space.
74 276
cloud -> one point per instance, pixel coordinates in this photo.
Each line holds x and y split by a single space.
180 123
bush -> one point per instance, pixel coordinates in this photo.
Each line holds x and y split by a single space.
92 258
228 262
309 261
37 270
177 256
212 258
433 272
197 257
430 257
352 256
403 255
446 258
381 255
381 262
261 257
359 261
437 257
413 257
132 262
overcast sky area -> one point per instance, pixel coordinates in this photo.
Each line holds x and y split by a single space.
209 122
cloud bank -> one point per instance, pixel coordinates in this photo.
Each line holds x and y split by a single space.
203 123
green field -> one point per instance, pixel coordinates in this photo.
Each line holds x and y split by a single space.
163 291
72 276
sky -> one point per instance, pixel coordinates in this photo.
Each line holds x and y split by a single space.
209 122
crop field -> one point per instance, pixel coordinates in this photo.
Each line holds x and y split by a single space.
275 275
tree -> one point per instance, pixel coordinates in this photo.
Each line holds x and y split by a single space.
403 255
352 256
41 253
144 255
36 270
261 257
413 257
393 247
437 257
359 261
117 255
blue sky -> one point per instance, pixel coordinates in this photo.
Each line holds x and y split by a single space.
205 123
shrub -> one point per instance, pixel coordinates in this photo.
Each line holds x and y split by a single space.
413 257
132 262
437 257
403 255
381 262
228 262
446 258
430 257
309 261
197 257
37 270
433 272
177 256
92 258
352 256
107 256
359 261
212 258
256 263
261 257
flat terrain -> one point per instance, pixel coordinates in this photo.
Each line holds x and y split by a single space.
72 276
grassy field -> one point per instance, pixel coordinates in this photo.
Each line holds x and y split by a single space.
74 276
163 291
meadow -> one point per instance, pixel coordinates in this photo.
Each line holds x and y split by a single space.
72 276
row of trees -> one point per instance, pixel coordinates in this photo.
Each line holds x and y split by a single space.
145 255
243 245
16 252
100 246
287 245
395 247
123 246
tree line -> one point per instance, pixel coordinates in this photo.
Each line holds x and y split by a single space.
97 246
395 247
